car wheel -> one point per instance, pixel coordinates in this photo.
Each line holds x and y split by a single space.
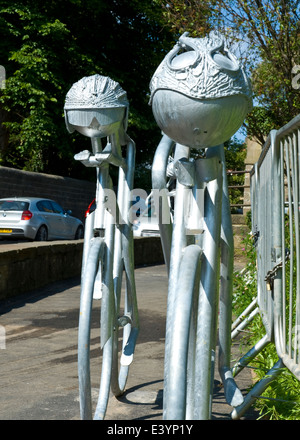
79 233
42 234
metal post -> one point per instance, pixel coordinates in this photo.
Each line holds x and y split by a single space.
257 390
198 103
209 292
233 395
159 183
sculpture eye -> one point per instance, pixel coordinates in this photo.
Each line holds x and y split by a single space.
225 61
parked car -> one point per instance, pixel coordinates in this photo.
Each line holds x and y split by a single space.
91 208
37 219
146 225
134 207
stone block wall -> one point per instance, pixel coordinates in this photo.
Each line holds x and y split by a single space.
33 265
29 266
73 194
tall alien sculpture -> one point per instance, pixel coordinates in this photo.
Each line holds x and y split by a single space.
200 96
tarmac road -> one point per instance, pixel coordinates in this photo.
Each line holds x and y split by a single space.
38 358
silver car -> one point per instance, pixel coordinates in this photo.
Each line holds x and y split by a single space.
37 219
146 225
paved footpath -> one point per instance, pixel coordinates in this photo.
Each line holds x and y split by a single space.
38 366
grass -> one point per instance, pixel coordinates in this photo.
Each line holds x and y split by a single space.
281 400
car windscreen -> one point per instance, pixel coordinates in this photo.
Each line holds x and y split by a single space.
13 205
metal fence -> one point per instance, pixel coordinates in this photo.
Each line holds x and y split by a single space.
275 188
237 191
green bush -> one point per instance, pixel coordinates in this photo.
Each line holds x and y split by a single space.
281 400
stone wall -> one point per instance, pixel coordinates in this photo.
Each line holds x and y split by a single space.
253 153
73 194
29 266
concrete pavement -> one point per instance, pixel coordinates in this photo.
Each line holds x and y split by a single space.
38 364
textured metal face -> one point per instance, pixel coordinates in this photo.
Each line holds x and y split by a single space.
96 106
199 94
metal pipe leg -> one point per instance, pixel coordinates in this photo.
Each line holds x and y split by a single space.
257 390
244 314
233 395
244 361
244 323
179 242
188 285
159 182
209 295
86 298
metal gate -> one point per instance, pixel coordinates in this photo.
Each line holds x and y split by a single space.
275 187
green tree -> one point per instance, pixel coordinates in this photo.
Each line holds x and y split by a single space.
191 16
47 46
235 154
32 89
271 30
265 36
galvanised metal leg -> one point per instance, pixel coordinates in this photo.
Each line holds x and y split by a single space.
103 397
159 183
178 244
108 300
88 235
248 357
124 258
176 400
233 395
209 293
257 390
86 299
100 257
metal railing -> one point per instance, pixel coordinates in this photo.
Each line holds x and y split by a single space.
287 282
275 188
241 187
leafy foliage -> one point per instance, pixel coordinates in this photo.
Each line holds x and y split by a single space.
187 16
235 154
265 35
49 46
280 401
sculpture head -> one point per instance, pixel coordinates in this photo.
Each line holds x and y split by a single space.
200 95
97 106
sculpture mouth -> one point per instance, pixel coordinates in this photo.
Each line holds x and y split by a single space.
198 123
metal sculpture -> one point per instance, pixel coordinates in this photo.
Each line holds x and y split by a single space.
97 107
200 96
